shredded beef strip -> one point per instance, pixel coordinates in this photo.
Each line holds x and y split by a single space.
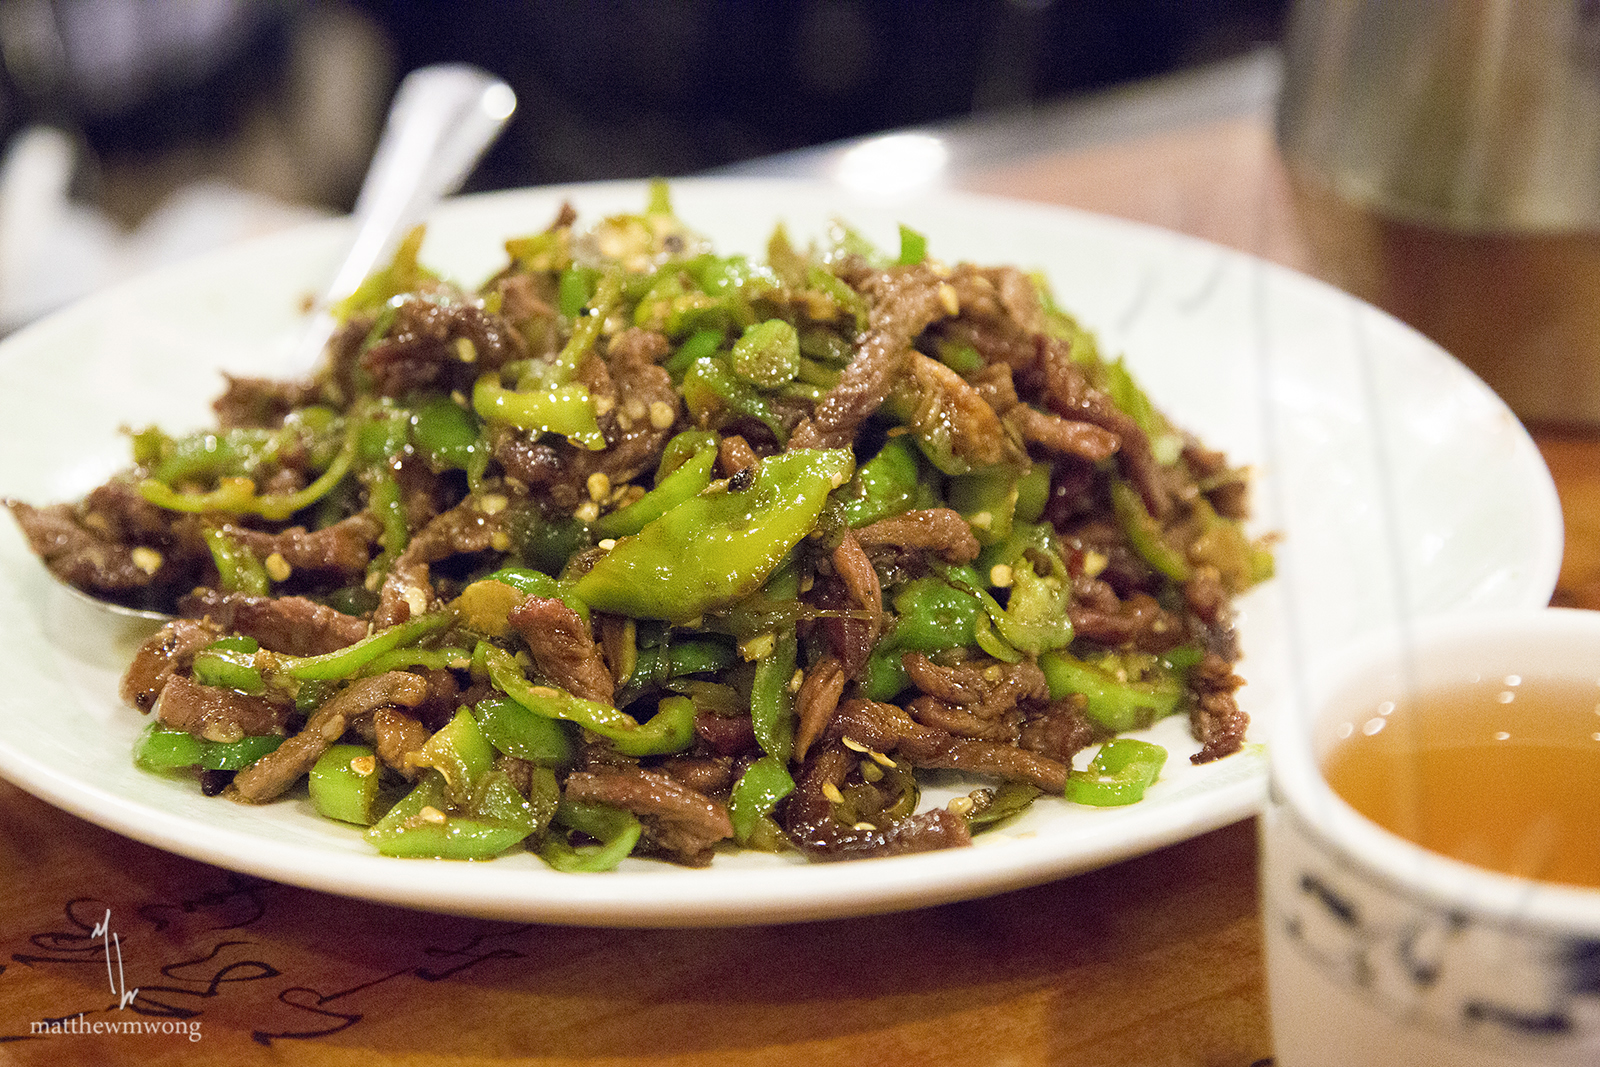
814 704
421 350
114 542
1069 394
1065 436
960 721
167 653
985 689
218 714
343 548
275 772
904 301
1058 729
260 402
408 588
809 820
728 735
398 738
562 647
679 821
940 530
289 624
1217 721
890 729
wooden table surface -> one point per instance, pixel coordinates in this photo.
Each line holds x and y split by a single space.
1153 961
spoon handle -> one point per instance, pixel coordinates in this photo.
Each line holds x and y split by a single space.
442 119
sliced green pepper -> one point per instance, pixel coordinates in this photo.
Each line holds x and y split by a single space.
1114 703
756 793
687 481
516 731
346 662
229 662
460 753
1144 533
767 355
771 699
422 823
344 784
563 409
885 485
161 748
1119 773
616 831
670 730
709 387
719 546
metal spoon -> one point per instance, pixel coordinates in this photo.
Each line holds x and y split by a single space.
440 122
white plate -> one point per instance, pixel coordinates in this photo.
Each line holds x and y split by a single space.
1399 483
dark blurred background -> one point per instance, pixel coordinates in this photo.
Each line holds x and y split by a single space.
284 98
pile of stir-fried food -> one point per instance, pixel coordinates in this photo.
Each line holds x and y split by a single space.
639 549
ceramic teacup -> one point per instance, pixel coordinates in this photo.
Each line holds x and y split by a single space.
1381 952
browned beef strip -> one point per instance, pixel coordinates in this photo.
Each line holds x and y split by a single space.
467 527
115 541
1058 729
814 704
730 735
1217 721
678 820
961 721
854 569
275 772
1068 437
985 689
260 402
809 820
904 300
218 714
888 728
703 774
420 350
1068 392
562 647
288 624
169 651
398 737
940 530
342 549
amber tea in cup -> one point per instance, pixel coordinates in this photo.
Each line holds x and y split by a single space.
1502 773
1430 861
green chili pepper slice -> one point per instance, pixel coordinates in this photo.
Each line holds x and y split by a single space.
771 699
767 355
1119 774
347 661
1114 704
516 731
756 793
563 409
717 547
616 831
421 823
344 784
885 485
670 730
230 664
689 480
161 748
